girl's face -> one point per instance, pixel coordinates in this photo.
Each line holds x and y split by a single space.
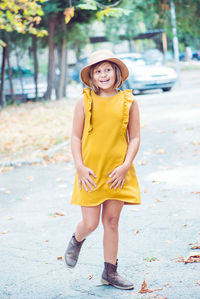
104 76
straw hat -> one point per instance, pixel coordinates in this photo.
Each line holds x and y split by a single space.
99 56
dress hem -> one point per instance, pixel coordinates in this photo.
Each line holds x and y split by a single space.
94 205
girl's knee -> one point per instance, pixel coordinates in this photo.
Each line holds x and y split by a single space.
91 226
111 222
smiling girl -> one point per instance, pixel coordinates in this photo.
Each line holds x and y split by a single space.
105 140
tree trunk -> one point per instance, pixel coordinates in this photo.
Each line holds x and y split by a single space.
10 72
66 75
2 95
20 74
51 61
62 64
35 60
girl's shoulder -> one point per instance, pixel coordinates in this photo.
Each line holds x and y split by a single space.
86 91
128 95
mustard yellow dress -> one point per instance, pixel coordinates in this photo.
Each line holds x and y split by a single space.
104 147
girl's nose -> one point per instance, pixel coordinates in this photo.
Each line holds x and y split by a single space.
103 74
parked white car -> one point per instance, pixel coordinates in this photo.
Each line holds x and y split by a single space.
144 76
25 90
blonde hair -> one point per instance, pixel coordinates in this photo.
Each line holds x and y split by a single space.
118 74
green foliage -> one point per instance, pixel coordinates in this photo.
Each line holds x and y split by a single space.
21 16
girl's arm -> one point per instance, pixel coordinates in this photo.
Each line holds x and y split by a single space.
118 175
76 147
133 133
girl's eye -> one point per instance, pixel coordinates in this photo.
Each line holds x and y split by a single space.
108 70
97 72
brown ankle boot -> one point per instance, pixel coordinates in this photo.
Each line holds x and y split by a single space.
110 276
72 252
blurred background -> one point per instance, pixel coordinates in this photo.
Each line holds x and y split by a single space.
44 44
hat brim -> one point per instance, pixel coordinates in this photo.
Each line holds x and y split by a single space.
84 74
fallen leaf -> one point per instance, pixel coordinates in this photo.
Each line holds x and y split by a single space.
192 258
142 162
195 192
137 231
7 191
197 242
46 158
196 142
59 179
10 218
189 128
185 225
30 178
195 247
144 288
59 257
160 151
168 242
4 232
158 200
151 259
155 182
60 214
90 277
6 169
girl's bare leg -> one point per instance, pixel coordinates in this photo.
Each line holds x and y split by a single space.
89 222
110 219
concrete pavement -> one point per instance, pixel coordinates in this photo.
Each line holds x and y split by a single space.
32 236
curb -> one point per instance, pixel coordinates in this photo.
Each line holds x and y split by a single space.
49 153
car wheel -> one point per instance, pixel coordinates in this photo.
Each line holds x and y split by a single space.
166 89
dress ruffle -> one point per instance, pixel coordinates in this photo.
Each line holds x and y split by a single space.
128 100
87 93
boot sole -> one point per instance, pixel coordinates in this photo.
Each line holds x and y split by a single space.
68 265
114 285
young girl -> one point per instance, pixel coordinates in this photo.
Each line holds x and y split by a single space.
105 140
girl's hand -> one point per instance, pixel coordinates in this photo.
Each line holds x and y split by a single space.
118 176
84 177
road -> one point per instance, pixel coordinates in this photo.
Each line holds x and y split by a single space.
152 236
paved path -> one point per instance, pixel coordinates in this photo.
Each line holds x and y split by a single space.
162 227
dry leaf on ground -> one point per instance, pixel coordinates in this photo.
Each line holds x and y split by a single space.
192 258
90 277
195 247
195 192
151 259
155 182
59 257
160 151
4 232
144 288
29 130
60 214
6 169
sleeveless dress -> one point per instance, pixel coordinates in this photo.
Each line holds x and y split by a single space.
104 147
